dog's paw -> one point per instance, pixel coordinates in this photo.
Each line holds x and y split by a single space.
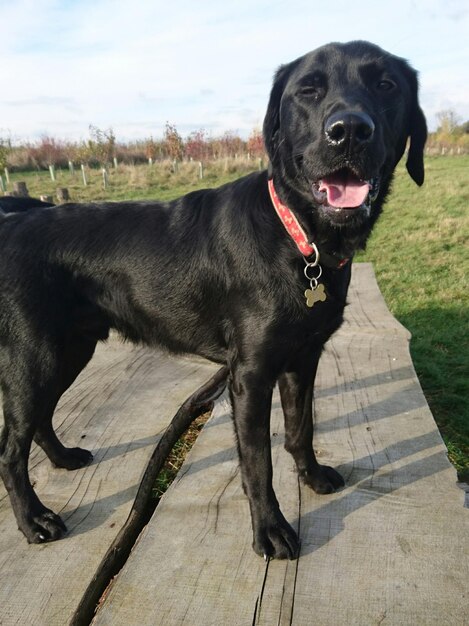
73 458
324 480
276 540
43 527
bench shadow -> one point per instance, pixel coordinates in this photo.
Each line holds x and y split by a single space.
358 474
385 408
380 378
363 494
85 517
100 455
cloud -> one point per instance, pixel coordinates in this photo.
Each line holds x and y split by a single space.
134 65
69 103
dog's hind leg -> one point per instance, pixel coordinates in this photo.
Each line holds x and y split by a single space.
74 357
25 401
296 393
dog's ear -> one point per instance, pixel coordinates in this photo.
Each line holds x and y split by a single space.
418 136
272 117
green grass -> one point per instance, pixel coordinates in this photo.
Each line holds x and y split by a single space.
177 456
419 249
129 182
420 252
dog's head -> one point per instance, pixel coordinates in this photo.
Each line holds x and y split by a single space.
337 124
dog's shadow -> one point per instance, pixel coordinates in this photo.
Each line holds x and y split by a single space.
359 474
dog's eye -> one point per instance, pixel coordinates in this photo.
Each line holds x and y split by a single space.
312 90
313 86
309 90
385 84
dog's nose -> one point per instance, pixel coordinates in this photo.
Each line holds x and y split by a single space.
350 128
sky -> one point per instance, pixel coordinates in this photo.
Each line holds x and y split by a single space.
133 66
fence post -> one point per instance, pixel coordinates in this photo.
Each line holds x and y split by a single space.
7 175
114 160
52 173
83 173
2 186
63 195
20 190
150 161
71 168
105 178
201 170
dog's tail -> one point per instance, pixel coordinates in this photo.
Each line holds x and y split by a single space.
12 204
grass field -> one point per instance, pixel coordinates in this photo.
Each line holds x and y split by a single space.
130 182
420 251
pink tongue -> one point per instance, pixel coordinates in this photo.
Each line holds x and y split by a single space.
344 191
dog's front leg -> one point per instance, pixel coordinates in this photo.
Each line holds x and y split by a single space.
251 396
296 392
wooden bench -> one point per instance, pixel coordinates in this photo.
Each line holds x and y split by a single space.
119 408
390 548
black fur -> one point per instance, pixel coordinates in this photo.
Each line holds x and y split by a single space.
213 273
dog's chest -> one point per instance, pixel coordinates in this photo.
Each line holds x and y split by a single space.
305 330
323 319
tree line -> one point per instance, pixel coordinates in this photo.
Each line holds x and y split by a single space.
103 148
451 135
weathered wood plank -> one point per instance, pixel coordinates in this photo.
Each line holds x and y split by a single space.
390 548
118 408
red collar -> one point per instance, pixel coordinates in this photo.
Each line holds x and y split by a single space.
294 228
291 224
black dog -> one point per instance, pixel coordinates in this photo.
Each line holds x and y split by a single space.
214 273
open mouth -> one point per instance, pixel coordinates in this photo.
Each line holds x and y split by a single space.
343 192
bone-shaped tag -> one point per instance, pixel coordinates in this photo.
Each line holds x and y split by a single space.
315 295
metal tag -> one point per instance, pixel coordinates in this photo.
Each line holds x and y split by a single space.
315 295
